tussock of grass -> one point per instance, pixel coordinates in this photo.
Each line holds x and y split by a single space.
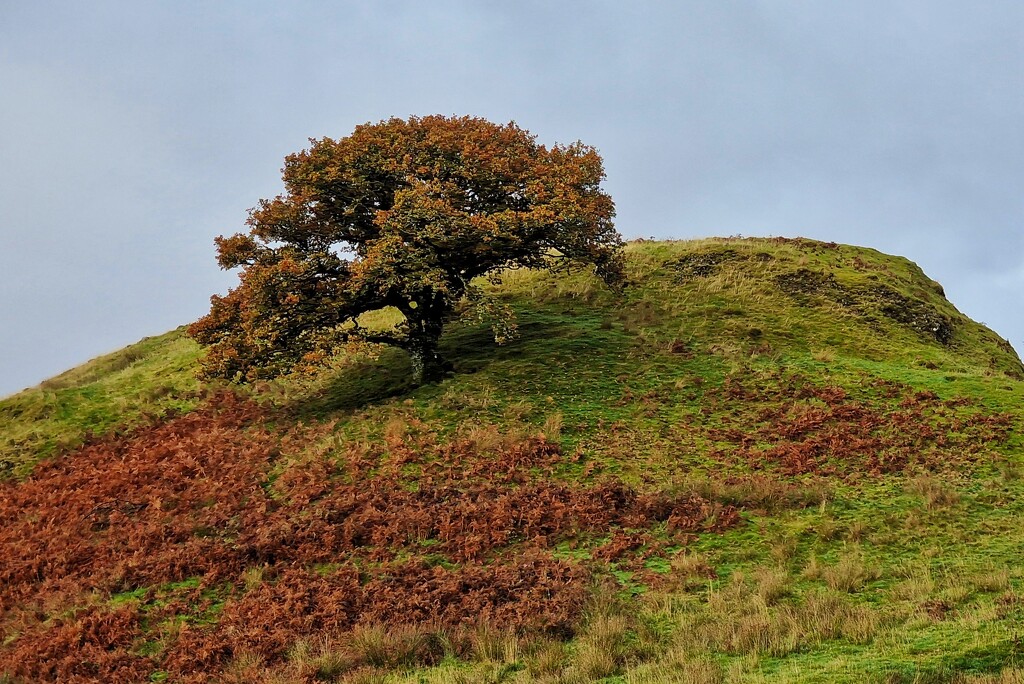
772 584
395 647
838 568
751 616
850 574
935 493
1011 675
489 643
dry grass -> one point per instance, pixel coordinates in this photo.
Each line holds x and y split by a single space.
760 492
547 658
591 664
603 647
748 617
518 411
741 284
396 429
857 531
916 588
461 399
783 549
1010 675
253 577
850 574
814 568
489 439
396 647
771 584
955 589
365 676
324 658
690 570
243 667
552 429
829 529
491 644
991 579
935 493
824 355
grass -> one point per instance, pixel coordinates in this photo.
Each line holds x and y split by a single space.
852 575
150 378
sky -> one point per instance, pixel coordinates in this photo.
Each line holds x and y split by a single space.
134 132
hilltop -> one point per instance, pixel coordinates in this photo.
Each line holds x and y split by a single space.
768 460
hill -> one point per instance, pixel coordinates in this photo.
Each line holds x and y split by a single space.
770 460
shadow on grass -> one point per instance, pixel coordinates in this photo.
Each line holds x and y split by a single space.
469 348
986 660
361 382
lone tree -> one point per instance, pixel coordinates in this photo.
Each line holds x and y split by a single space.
401 214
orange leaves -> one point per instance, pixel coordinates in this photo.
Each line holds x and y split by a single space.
204 510
235 250
808 429
402 211
92 646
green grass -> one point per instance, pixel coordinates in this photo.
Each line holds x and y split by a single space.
116 391
912 577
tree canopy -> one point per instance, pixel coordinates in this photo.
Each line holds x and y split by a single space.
403 214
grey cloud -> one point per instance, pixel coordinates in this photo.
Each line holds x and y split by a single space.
131 133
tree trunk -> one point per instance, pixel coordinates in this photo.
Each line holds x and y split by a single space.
426 364
426 321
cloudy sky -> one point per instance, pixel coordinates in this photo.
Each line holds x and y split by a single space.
133 132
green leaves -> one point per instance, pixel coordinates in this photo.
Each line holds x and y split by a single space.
402 213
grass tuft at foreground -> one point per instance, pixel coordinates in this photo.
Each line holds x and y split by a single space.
769 461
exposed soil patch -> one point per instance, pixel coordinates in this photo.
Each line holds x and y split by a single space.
912 313
804 284
805 281
701 264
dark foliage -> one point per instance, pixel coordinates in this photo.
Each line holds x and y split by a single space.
402 214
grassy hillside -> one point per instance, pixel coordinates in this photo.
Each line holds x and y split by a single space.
149 378
769 460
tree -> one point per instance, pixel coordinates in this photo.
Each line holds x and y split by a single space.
401 214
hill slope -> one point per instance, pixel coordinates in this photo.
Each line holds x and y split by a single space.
770 460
